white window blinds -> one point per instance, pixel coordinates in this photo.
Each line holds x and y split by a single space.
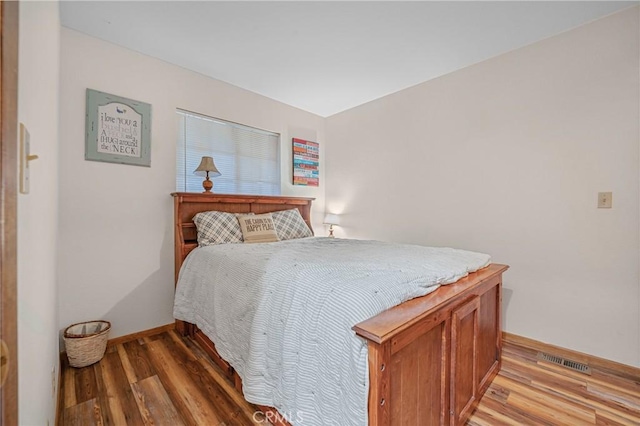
248 158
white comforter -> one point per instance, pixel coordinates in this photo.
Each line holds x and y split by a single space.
281 314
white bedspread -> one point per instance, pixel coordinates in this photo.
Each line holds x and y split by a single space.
281 314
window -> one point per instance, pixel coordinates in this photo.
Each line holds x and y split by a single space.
248 158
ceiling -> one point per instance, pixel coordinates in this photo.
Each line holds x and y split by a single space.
326 57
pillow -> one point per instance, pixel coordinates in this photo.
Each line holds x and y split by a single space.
258 228
217 228
290 224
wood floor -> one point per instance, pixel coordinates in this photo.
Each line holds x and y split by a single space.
532 392
167 380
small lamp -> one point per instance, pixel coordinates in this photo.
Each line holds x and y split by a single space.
207 166
331 219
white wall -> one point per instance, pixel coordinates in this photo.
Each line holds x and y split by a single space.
116 221
506 157
39 57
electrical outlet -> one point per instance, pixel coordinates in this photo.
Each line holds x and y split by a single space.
604 200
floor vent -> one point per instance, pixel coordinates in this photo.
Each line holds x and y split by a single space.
572 365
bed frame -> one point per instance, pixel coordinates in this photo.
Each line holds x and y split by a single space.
430 359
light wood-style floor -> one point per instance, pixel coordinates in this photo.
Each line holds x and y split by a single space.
167 380
532 392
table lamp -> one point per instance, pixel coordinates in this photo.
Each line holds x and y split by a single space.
207 168
331 219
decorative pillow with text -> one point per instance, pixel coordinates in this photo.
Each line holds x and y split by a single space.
258 228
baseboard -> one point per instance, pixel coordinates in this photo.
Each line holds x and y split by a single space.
140 334
590 360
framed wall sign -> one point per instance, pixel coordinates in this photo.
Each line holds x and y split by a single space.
118 130
305 163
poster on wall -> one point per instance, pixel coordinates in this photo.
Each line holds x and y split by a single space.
305 163
118 130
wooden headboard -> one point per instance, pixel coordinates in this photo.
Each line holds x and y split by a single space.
187 204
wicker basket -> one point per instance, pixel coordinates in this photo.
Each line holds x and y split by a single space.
86 342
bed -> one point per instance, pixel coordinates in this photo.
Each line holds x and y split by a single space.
430 359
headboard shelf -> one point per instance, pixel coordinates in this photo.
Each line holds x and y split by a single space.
188 204
241 198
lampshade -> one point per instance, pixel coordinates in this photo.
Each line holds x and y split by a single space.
207 165
331 219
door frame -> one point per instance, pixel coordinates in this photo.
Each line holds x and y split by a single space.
9 11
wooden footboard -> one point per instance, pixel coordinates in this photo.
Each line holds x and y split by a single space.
430 359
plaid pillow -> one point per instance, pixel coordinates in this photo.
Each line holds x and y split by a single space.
217 228
289 225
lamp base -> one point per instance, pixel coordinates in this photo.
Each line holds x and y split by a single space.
331 231
207 184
